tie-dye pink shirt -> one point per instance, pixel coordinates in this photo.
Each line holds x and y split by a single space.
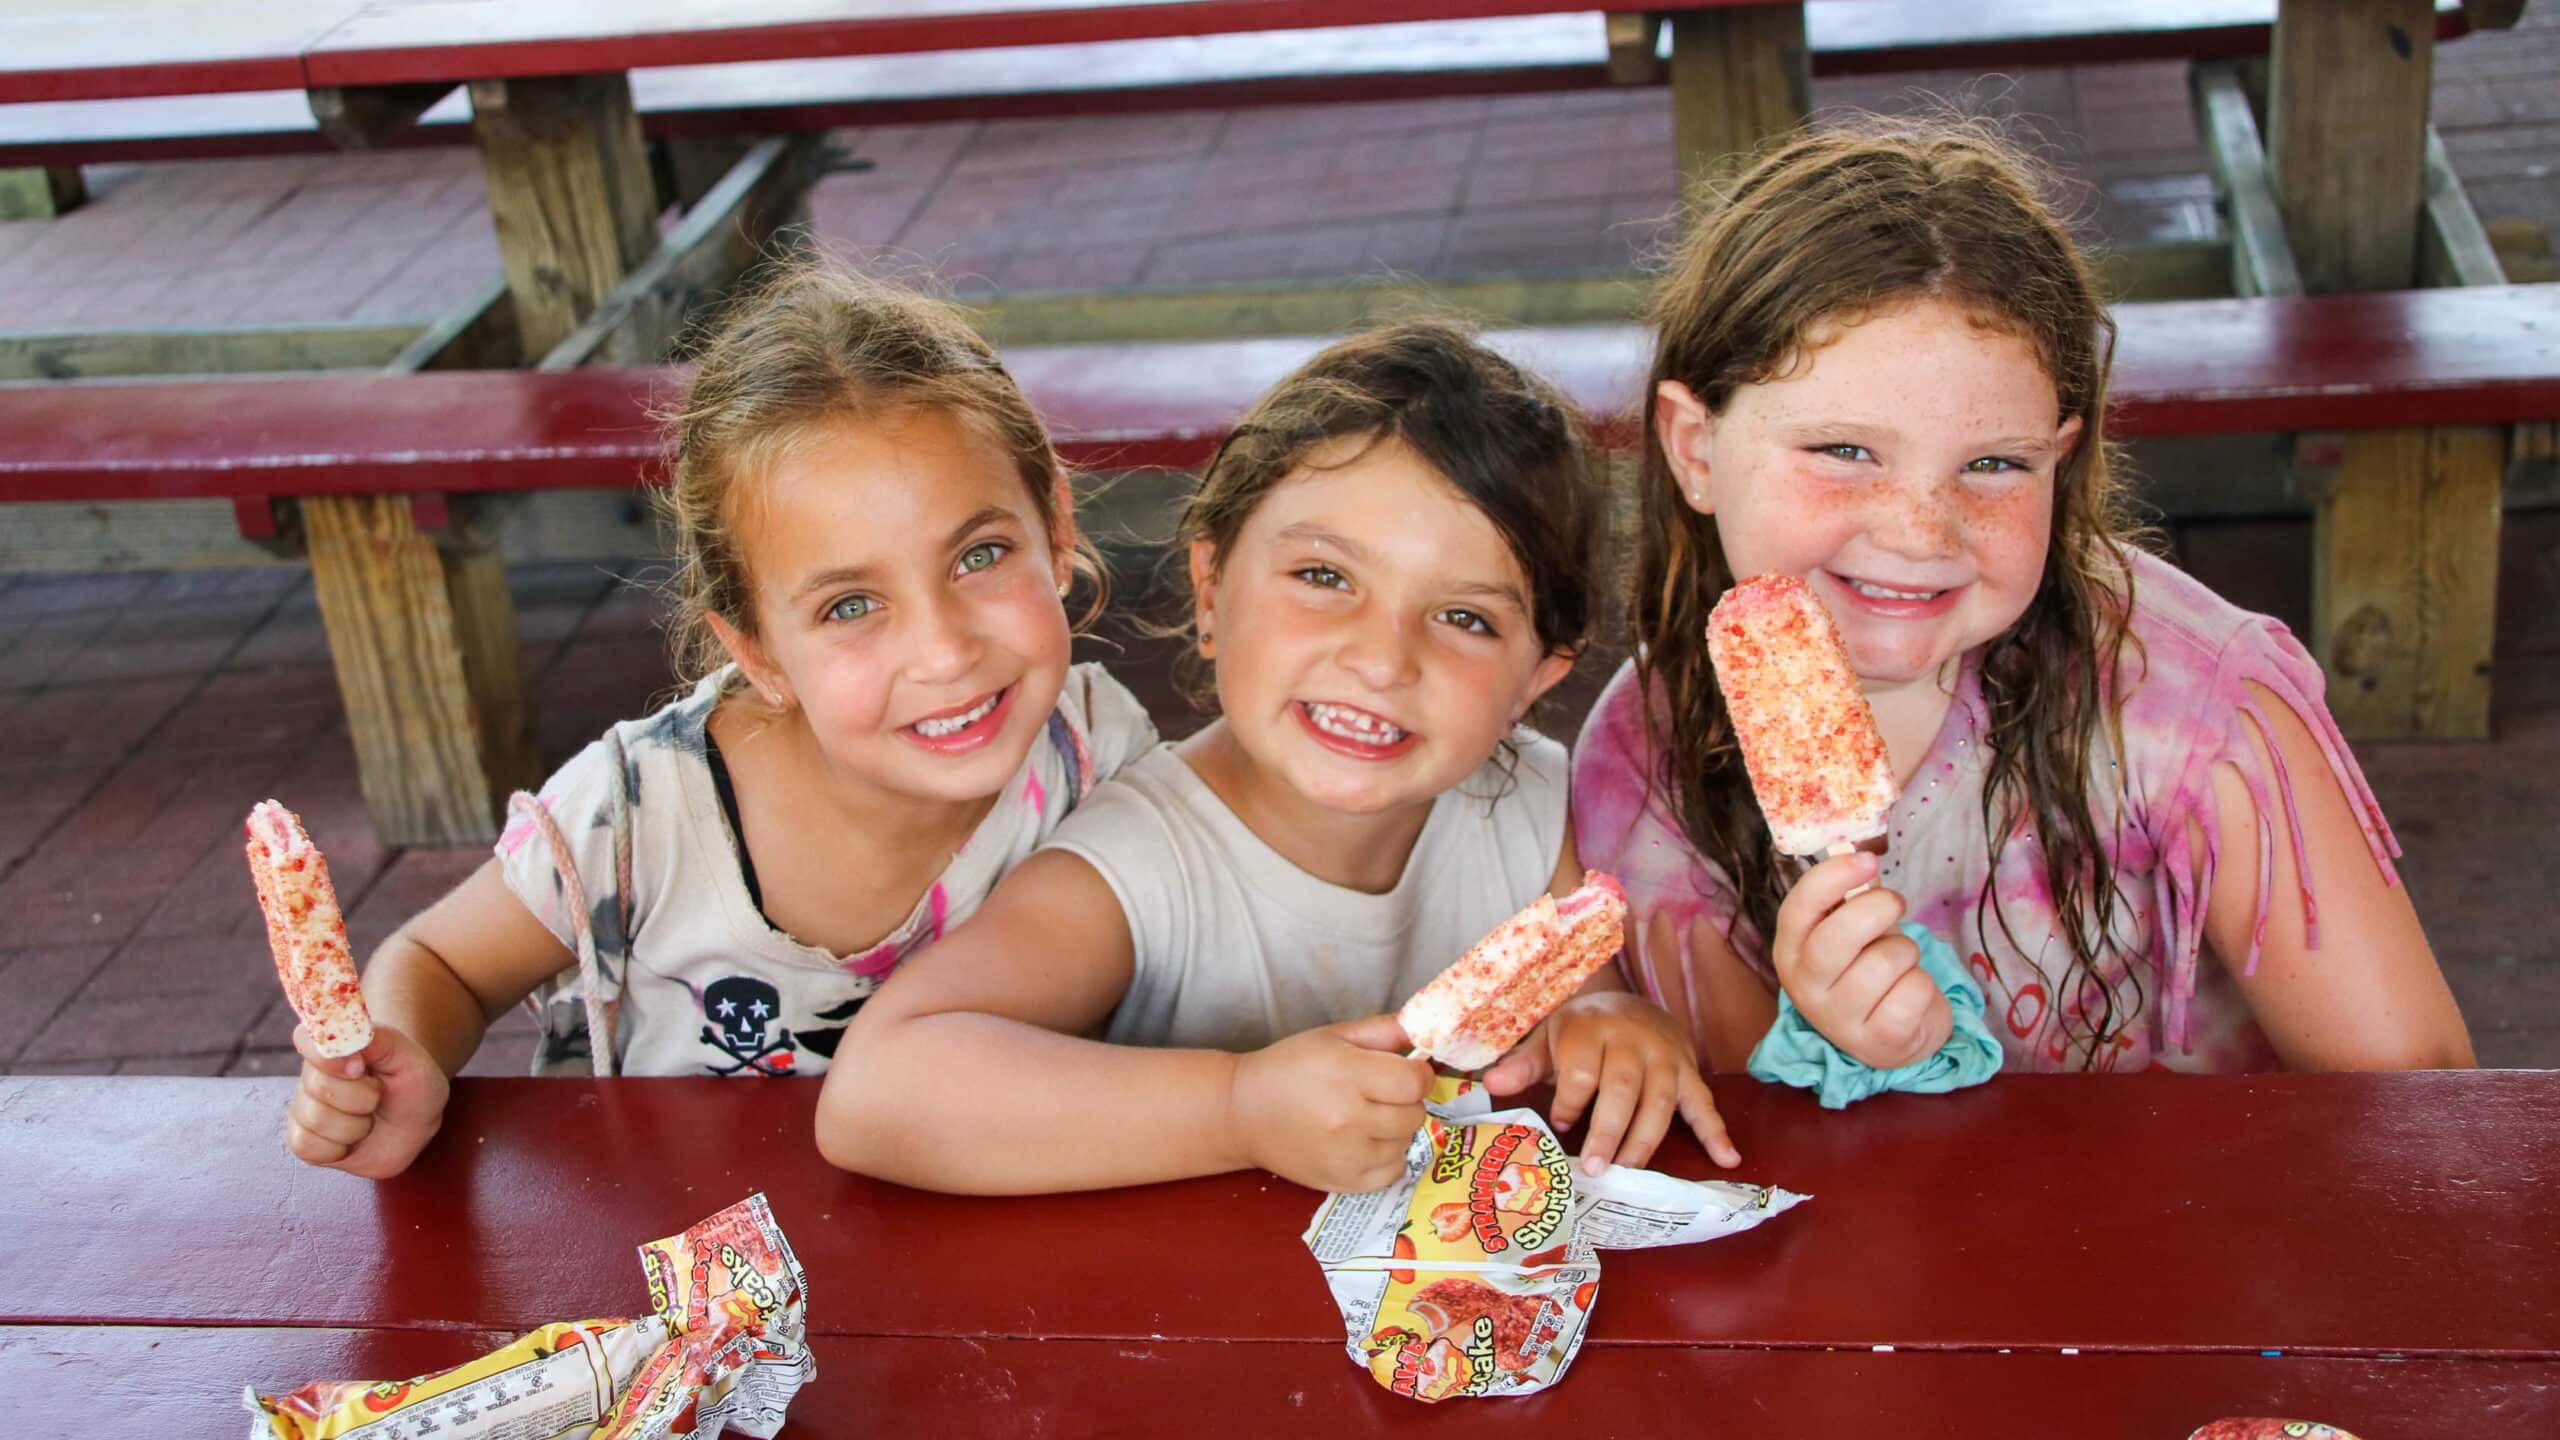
2190 709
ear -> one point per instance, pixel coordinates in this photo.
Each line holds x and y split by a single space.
1685 429
768 680
2066 440
1557 665
1062 531
1204 595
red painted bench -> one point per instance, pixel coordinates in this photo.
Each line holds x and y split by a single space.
752 80
2446 362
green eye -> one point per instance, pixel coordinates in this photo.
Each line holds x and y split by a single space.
1992 465
980 556
851 607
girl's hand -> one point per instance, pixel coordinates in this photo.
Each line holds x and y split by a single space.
369 1113
1332 1109
1640 1063
1856 978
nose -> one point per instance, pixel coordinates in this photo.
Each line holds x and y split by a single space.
1916 519
1382 650
943 643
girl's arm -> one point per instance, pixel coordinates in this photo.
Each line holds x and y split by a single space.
2371 997
967 1070
433 987
1727 1005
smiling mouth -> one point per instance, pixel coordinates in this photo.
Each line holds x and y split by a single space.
949 725
1874 591
1359 727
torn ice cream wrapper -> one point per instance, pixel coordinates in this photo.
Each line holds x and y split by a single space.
1476 1273
725 1350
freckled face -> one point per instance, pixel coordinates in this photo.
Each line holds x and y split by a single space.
1904 471
906 598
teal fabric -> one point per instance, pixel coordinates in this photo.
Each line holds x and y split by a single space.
1794 1053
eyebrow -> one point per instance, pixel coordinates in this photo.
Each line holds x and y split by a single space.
1307 532
854 574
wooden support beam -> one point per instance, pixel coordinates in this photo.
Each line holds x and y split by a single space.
1739 78
477 334
366 117
245 349
2404 582
2261 260
2453 248
41 192
1635 47
2347 137
719 240
423 641
569 192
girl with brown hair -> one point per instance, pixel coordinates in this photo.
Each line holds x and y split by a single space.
875 548
1387 570
1881 367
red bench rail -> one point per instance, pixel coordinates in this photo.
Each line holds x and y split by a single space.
2482 355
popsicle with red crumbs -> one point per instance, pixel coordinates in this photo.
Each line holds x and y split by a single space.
306 931
1808 736
1472 1013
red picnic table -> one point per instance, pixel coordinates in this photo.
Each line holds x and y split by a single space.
2128 1255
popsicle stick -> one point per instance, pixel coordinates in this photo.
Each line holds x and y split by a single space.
1838 849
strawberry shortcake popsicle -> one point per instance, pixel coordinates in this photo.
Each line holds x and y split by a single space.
1808 736
306 932
1472 1013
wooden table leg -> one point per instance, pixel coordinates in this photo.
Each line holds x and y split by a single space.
41 192
569 192
423 638
1739 75
2405 574
420 624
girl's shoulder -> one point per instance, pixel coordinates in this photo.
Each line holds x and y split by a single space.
2192 645
1099 720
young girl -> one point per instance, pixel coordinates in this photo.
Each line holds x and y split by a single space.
1882 367
1387 568
876 546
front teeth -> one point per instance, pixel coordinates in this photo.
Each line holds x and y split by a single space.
1879 592
936 729
1354 725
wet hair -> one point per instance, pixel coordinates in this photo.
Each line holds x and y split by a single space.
1502 437
816 343
1824 231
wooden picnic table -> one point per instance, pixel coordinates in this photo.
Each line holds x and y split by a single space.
2123 1251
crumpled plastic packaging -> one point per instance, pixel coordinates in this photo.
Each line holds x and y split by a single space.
1476 1273
725 1349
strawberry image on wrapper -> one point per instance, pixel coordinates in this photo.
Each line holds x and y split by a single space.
1472 1013
306 932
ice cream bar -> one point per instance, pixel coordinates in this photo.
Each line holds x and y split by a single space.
1808 737
1477 1009
306 932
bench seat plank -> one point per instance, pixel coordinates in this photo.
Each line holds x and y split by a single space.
2473 356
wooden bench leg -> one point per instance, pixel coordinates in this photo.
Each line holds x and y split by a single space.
41 193
1739 76
2405 581
423 637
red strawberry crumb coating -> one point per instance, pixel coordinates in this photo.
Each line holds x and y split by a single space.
306 932
1808 736
1496 993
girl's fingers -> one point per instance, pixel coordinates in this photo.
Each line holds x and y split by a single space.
1817 894
1878 968
355 1097
1659 1102
1621 1093
1698 1107
311 1149
1578 1058
1904 1012
350 1066
336 1126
